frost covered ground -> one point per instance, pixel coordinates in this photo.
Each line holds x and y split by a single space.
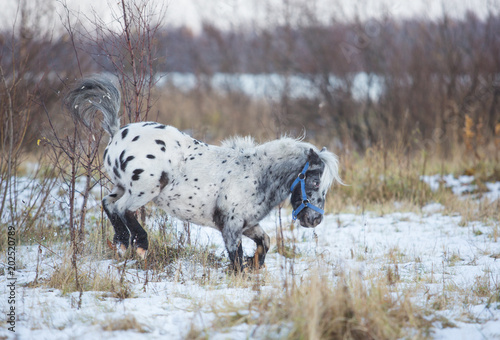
463 185
440 258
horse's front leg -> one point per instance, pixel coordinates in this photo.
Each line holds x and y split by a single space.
231 234
262 241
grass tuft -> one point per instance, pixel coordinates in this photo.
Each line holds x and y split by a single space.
125 323
321 309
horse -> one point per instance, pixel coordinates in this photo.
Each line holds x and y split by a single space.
230 187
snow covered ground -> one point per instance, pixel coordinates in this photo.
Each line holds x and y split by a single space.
462 185
434 254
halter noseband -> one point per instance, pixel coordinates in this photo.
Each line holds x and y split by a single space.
305 202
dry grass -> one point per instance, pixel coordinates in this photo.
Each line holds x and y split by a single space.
318 308
212 116
92 276
378 177
169 256
123 323
386 180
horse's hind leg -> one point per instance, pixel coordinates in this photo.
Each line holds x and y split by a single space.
125 208
121 238
261 239
127 228
139 237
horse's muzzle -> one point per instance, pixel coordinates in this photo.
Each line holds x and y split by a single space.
310 220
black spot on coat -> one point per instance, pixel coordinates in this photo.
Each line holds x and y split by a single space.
115 171
137 172
124 133
163 180
218 218
123 163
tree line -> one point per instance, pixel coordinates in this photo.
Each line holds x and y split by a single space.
432 73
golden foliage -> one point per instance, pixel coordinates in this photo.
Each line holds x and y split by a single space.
469 133
497 135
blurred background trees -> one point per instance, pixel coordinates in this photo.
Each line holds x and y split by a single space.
347 84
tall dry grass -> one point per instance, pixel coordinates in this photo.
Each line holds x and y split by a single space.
212 116
319 308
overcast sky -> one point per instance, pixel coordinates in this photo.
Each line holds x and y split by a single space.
226 13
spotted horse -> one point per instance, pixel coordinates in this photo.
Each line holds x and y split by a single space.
230 187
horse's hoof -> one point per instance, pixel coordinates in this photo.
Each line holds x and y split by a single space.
237 269
252 263
111 245
121 249
141 252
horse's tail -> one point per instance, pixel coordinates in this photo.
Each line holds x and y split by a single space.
94 94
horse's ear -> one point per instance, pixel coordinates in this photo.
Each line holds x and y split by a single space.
313 156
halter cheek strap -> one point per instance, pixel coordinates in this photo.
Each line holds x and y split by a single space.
305 202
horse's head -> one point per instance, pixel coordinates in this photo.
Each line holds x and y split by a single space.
310 188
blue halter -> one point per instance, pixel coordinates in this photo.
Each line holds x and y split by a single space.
305 202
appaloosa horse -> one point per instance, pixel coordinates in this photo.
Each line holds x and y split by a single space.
231 187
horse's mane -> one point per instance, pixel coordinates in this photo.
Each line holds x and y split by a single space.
331 171
330 174
239 143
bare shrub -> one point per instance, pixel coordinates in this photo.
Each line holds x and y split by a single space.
25 81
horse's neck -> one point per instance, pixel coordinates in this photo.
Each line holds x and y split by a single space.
284 163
